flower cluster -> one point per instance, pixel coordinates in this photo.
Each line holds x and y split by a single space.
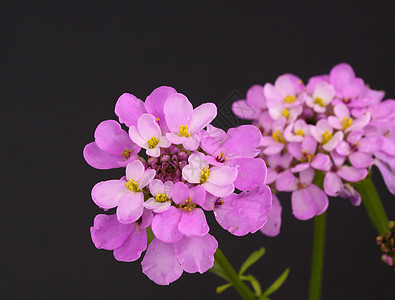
335 127
386 242
177 166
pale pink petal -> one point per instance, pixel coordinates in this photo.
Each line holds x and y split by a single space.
202 116
321 162
148 127
156 206
196 254
219 190
191 143
308 202
245 212
333 142
273 224
156 187
134 170
178 112
341 111
309 144
242 142
128 109
191 173
179 193
352 174
306 176
107 233
285 181
193 223
160 263
274 148
222 175
164 142
106 194
130 207
137 138
146 178
133 247
154 152
300 167
244 110
343 148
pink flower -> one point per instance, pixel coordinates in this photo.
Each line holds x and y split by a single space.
126 194
148 135
216 180
127 240
184 122
161 199
112 147
273 224
323 133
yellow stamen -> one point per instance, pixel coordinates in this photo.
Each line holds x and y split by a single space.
326 136
126 153
152 142
187 206
300 81
306 157
204 175
286 113
278 136
221 157
346 122
157 119
299 132
161 198
184 131
133 186
319 101
289 99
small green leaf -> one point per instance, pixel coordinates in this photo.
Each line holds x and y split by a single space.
252 259
277 284
223 287
216 269
150 235
255 285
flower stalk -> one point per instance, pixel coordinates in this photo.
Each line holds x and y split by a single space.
317 262
231 275
372 203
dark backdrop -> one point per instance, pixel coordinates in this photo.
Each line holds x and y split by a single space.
65 63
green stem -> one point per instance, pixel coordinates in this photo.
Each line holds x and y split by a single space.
232 276
317 262
372 203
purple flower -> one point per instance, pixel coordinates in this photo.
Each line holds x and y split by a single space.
184 122
185 219
127 240
112 147
126 193
273 224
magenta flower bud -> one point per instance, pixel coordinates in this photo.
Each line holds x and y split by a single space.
387 259
182 155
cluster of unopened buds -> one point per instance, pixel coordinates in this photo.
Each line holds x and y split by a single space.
177 166
386 242
335 127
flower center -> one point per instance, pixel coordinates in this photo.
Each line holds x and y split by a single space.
152 142
299 132
221 157
184 131
319 101
346 122
126 153
204 175
161 198
326 136
306 157
286 113
278 136
289 99
133 186
187 206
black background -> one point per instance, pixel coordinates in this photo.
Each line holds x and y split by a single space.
65 63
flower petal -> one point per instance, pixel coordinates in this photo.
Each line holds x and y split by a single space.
108 233
245 212
242 142
134 170
198 194
178 112
223 175
333 184
219 190
160 263
196 254
156 206
321 162
148 127
128 109
99 159
352 174
273 224
146 178
106 194
202 116
133 247
130 207
361 160
110 137
165 225
388 176
251 172
193 223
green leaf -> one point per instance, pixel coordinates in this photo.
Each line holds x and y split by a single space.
216 269
150 235
277 284
222 288
255 284
252 259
